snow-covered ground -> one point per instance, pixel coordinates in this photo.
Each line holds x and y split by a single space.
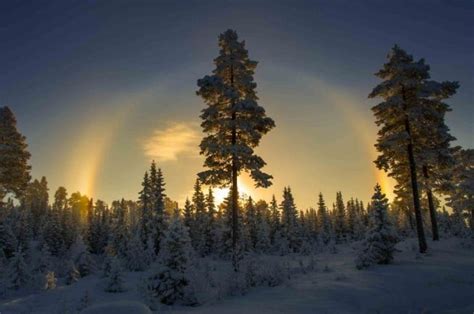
441 281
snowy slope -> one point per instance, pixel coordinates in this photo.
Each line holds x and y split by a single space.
440 282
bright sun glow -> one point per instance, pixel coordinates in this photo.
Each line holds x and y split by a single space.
221 193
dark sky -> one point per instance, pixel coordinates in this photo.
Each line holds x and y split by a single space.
92 82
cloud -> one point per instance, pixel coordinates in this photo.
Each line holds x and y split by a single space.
178 138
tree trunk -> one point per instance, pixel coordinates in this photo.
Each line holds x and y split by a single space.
434 220
414 181
416 197
235 192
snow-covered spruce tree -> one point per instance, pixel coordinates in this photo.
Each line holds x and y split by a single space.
20 221
98 229
145 200
18 271
159 217
45 260
73 274
188 215
274 219
263 243
14 168
444 223
461 194
413 137
458 224
250 223
289 220
198 236
137 258
311 221
115 278
82 258
210 230
351 217
119 232
340 229
35 200
8 241
60 204
169 282
358 230
233 121
96 234
52 233
325 227
379 244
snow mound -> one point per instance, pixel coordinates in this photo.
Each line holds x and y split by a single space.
118 307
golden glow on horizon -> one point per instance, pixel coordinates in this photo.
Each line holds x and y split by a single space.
220 194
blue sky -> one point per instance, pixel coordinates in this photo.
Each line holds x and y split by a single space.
93 83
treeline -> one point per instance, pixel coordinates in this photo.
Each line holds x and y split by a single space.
77 231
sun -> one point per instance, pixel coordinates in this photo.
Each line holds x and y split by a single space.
220 194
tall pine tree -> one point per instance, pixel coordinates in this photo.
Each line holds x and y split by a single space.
233 121
14 167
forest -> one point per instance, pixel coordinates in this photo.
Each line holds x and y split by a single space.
162 255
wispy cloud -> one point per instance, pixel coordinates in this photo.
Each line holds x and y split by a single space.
177 139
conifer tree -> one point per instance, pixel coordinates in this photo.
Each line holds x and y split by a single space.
210 232
14 167
250 223
19 273
233 121
81 257
461 193
169 281
73 274
119 231
325 228
136 255
115 277
98 228
145 205
52 233
188 215
45 260
275 219
35 199
60 204
379 244
21 225
159 213
443 222
289 219
404 120
352 210
263 242
8 241
340 219
358 230
436 158
200 219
